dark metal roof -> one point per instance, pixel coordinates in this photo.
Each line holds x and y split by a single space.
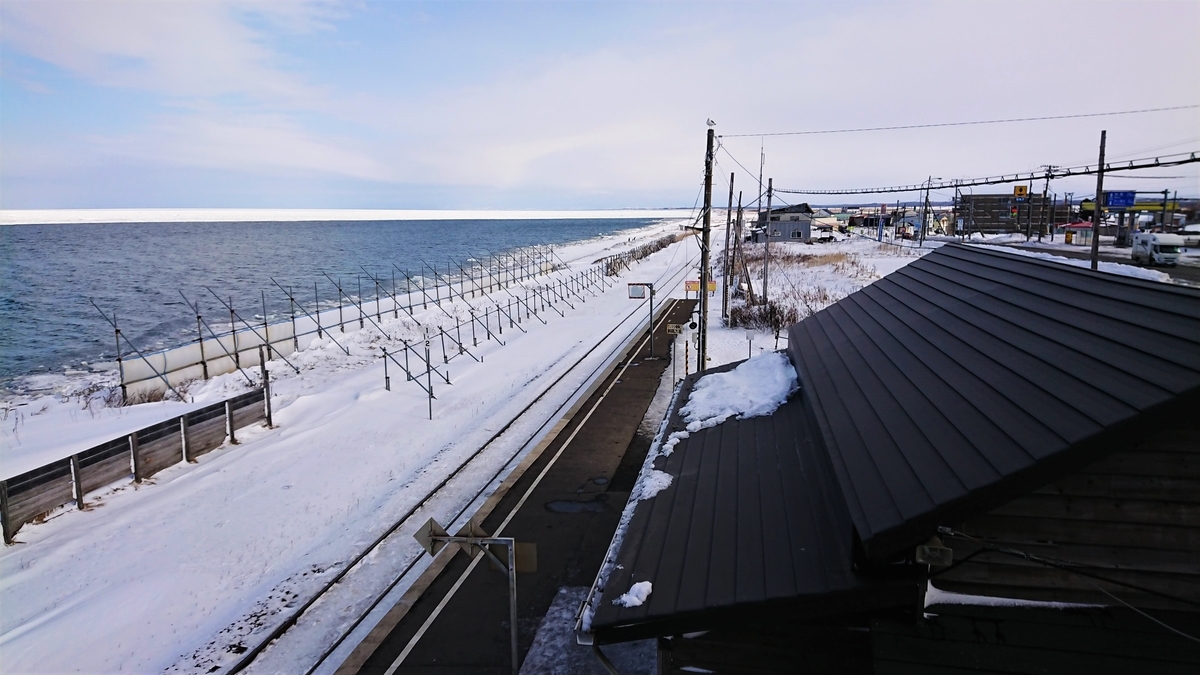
753 520
949 387
970 376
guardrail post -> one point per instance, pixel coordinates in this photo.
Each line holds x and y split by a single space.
9 530
77 479
137 457
266 385
229 430
183 437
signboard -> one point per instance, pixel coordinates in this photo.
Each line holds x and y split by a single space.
1020 190
638 291
674 329
1120 200
694 286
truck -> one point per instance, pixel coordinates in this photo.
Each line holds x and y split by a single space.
1154 248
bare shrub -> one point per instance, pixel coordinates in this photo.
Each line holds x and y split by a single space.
774 316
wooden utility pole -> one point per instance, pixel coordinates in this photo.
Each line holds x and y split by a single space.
1098 211
705 274
767 232
728 262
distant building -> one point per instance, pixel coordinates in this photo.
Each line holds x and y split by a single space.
1003 213
792 223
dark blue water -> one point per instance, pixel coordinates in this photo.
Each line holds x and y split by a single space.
49 272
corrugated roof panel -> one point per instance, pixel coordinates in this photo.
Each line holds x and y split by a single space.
947 386
1065 328
1030 356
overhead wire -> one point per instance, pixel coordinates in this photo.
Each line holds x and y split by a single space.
963 124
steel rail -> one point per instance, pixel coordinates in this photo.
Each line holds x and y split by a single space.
250 655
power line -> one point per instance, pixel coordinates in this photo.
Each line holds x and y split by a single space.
1060 172
963 124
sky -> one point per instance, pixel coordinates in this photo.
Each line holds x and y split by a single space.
561 105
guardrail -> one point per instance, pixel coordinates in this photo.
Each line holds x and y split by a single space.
134 457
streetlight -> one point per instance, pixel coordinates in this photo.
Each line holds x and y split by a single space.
640 291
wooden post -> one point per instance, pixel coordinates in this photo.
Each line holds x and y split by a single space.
767 245
137 457
702 347
727 266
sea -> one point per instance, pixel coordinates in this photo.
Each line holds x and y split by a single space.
53 338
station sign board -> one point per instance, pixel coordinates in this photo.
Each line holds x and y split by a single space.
674 329
639 291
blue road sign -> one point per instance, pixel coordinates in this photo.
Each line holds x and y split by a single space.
1119 200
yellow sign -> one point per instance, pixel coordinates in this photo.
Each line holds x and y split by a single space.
694 286
1020 190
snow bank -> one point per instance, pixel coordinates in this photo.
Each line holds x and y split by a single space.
636 596
1110 267
649 485
755 388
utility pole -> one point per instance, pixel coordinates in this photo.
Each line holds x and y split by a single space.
705 274
728 260
1162 219
925 209
767 231
1098 212
1045 195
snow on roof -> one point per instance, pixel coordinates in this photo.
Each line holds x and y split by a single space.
1110 267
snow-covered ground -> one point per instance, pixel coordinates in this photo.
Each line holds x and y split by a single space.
186 570
194 566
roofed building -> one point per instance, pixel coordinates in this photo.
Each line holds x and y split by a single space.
992 463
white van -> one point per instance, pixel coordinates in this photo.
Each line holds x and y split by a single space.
1156 249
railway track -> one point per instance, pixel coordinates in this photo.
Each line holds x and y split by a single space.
576 396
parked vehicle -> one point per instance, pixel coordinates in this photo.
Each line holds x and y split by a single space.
1191 235
1156 249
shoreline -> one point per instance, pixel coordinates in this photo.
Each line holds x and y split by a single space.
114 216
